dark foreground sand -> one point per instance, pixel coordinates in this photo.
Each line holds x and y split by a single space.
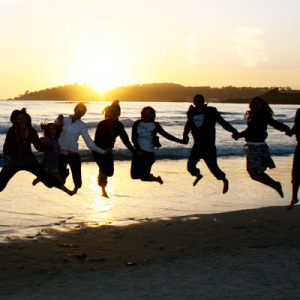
32 262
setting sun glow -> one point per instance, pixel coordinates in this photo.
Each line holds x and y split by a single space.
101 71
118 43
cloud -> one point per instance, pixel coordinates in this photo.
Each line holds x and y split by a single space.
250 46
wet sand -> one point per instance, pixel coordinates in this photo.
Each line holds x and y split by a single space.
30 263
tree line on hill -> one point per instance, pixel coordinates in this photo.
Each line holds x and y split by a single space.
156 92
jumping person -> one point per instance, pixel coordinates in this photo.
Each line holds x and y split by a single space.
17 146
71 128
105 136
50 159
258 156
296 162
144 138
201 121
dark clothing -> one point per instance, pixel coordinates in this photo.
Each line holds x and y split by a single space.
106 133
74 161
296 161
296 166
50 159
30 164
203 127
105 136
105 162
22 158
296 127
17 147
256 130
209 155
141 165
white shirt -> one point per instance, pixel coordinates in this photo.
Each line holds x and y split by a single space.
69 136
145 136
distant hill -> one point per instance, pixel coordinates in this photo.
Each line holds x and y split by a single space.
172 92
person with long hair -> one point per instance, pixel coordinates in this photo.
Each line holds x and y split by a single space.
259 158
296 161
72 127
17 147
201 121
145 140
105 136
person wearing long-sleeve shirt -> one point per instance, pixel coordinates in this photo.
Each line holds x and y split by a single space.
72 128
296 162
201 121
105 136
144 138
17 147
258 156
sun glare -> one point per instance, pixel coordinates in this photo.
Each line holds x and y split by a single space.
101 71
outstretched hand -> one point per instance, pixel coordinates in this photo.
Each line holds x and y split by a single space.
185 140
108 151
289 132
235 135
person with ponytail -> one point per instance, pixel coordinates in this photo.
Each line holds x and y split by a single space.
105 136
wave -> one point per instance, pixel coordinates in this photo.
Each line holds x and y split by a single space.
183 153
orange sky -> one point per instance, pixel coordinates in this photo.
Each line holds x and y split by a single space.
45 43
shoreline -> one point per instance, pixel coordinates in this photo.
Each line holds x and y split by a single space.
30 262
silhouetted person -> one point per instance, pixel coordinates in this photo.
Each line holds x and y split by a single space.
296 162
201 121
71 128
258 156
17 146
145 139
105 136
50 159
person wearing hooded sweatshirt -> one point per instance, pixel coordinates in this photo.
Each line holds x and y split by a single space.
201 121
105 136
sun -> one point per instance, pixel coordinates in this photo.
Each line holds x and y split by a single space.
100 71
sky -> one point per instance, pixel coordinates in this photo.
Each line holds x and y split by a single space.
106 44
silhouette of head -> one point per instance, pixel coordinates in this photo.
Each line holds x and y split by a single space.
198 101
148 114
20 116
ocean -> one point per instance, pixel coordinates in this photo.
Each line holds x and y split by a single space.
26 210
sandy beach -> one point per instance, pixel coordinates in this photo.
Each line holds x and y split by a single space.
111 262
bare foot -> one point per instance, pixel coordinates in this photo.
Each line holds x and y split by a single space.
197 179
35 181
71 193
279 190
158 179
293 202
225 186
104 194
